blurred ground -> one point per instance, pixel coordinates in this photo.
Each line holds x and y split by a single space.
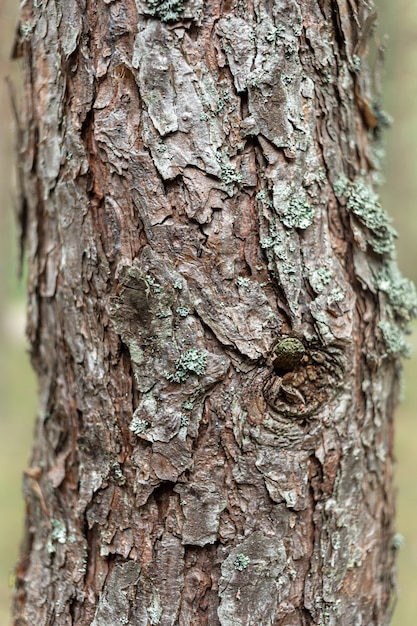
17 385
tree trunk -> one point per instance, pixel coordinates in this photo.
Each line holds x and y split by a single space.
214 312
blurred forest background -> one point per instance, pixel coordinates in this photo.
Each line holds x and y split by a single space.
398 33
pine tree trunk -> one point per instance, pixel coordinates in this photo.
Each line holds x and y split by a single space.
214 313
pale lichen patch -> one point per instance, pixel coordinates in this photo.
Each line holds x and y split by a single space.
394 339
192 361
170 11
300 213
58 535
400 291
165 10
241 562
364 203
138 425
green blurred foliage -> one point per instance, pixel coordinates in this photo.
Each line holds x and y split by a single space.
17 383
399 21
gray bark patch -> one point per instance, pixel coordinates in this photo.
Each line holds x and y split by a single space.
116 599
249 586
201 506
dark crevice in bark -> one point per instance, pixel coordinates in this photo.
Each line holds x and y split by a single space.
306 617
86 131
338 29
194 31
244 106
161 494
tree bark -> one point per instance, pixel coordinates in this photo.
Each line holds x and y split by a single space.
215 315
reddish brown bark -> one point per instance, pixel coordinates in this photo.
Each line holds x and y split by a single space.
214 315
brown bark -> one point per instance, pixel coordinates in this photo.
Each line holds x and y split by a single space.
214 314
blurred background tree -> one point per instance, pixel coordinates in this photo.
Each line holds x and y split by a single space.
398 34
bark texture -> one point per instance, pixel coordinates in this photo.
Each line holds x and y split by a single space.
214 312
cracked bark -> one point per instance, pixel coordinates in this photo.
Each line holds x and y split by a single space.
217 353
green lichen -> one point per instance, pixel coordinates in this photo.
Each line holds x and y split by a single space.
165 10
273 238
279 249
58 535
401 303
363 202
401 307
118 474
241 562
155 612
152 285
59 532
356 64
183 311
222 100
228 174
263 197
291 270
243 282
138 425
214 97
26 29
394 339
321 277
192 361
401 292
384 119
337 294
300 213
